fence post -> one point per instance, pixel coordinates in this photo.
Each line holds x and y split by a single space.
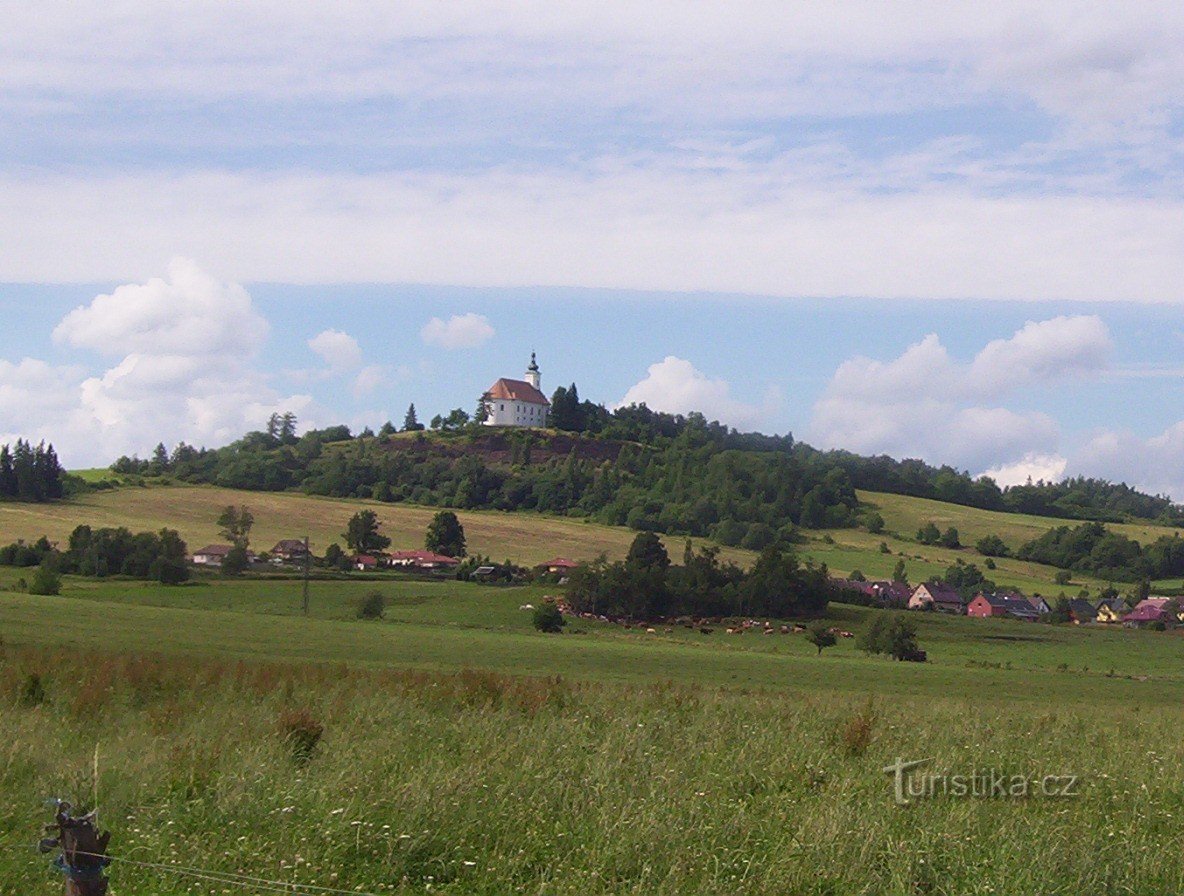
84 852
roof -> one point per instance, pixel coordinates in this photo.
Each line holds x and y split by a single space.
1082 608
941 593
560 563
214 550
1145 612
421 557
517 390
289 544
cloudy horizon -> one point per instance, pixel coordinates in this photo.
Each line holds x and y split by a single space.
916 229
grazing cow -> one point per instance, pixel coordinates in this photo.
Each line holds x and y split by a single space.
846 634
526 607
731 631
651 631
704 630
785 629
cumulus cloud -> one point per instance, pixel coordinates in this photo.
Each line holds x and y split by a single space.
337 349
1031 467
1154 464
925 404
182 351
675 386
459 331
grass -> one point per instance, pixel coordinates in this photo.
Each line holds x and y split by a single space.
192 510
481 783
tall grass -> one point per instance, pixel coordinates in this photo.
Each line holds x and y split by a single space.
475 782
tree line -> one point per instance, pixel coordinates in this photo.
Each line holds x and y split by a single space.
30 473
159 556
647 586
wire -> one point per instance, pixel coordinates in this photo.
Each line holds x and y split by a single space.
261 883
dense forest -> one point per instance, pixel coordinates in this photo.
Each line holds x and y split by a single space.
652 471
29 473
1094 549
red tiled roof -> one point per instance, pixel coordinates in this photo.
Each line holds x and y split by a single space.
560 563
422 557
517 390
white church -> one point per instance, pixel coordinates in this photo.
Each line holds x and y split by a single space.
517 402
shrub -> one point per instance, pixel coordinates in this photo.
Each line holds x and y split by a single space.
372 606
856 735
301 732
991 546
874 523
548 618
235 561
33 690
45 580
1063 577
929 533
949 538
820 635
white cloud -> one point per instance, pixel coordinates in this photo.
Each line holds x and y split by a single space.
924 404
184 349
1154 464
370 378
764 229
1031 467
337 349
459 331
674 385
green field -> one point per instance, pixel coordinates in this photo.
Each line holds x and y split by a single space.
464 752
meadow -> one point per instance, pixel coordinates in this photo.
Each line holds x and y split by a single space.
449 747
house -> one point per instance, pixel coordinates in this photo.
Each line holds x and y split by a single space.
1039 604
211 555
291 550
1082 611
937 596
1148 612
559 566
984 606
420 560
517 402
1110 610
365 562
892 594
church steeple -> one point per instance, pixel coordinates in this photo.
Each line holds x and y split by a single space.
532 372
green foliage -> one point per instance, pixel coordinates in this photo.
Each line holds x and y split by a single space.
547 618
29 473
372 605
1063 577
236 561
33 691
336 558
929 534
46 579
1061 611
949 538
992 546
411 420
362 535
301 732
899 573
966 579
874 523
820 635
889 633
1094 549
445 535
234 524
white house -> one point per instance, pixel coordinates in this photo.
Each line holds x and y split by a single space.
517 402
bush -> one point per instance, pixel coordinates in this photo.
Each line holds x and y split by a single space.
929 534
820 635
856 735
949 538
45 580
874 523
372 606
33 690
1063 577
991 546
301 732
235 562
548 618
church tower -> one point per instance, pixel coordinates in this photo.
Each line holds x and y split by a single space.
532 373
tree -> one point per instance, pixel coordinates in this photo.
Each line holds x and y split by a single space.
820 635
991 546
387 429
236 561
362 535
372 606
1063 577
410 421
899 574
445 535
234 524
548 618
46 580
481 414
949 538
929 533
874 523
648 552
1062 611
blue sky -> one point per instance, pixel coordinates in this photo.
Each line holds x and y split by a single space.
925 229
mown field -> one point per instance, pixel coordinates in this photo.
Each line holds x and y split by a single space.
192 510
463 752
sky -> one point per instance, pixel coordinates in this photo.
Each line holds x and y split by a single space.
937 230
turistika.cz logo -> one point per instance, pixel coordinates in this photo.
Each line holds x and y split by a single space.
910 784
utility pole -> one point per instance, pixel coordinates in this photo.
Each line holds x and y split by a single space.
84 851
307 567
